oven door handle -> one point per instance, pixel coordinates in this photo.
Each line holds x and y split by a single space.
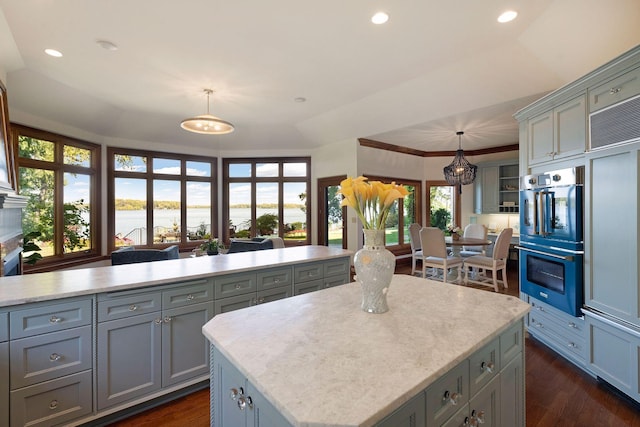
562 257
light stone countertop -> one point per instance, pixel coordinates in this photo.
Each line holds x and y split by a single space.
15 290
323 362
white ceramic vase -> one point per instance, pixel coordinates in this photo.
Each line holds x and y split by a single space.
374 266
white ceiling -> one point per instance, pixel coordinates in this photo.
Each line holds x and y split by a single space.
436 67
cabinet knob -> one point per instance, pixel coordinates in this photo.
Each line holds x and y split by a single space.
451 398
133 307
234 393
238 286
487 367
158 321
614 90
261 300
245 402
167 319
573 325
55 357
190 297
477 417
55 319
572 345
53 404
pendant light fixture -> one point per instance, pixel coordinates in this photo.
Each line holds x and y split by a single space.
460 171
206 123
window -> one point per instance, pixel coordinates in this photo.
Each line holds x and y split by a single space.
402 213
443 204
267 197
160 198
60 176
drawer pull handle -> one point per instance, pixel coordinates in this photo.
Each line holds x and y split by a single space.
614 90
487 367
573 325
451 398
55 319
53 404
245 402
190 297
133 307
55 357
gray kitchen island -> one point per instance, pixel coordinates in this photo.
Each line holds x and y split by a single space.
443 355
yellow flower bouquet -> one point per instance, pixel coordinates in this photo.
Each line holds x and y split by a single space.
370 199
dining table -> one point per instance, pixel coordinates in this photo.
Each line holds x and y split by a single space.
457 244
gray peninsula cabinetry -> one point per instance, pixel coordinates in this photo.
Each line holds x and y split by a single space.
605 341
4 369
92 345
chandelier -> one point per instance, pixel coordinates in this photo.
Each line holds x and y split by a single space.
206 123
460 171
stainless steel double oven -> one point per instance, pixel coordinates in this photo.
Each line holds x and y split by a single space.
551 238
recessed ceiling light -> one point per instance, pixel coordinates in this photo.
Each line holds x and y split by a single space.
53 52
380 18
107 45
507 16
300 99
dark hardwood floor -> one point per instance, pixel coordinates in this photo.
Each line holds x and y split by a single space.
558 394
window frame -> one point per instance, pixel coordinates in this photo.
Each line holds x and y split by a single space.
150 176
253 180
60 259
457 200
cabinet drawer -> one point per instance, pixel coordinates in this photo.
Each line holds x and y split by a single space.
453 386
52 402
234 303
306 287
337 268
511 344
235 284
329 282
572 346
274 278
188 293
45 357
275 294
49 318
484 365
132 305
308 272
4 327
618 89
569 325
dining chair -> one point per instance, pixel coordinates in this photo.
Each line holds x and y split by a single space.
416 247
435 255
475 231
494 263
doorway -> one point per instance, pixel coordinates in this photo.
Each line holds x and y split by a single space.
332 218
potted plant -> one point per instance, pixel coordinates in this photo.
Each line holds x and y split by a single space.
211 246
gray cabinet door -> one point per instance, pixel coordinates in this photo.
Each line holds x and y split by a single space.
512 406
485 406
540 138
570 126
487 190
4 384
611 275
129 357
185 351
411 414
228 386
264 413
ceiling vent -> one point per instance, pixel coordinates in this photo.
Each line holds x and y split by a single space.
617 124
